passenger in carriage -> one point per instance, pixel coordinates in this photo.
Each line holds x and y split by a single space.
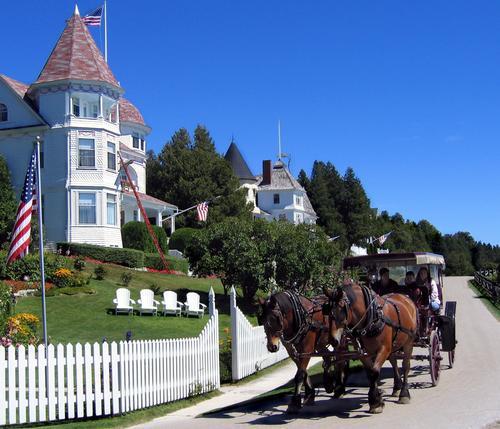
410 279
424 279
385 284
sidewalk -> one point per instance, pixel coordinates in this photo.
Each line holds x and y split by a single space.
230 396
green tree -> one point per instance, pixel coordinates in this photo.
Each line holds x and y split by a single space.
188 172
8 203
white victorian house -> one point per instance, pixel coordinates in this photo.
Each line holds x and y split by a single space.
276 194
77 108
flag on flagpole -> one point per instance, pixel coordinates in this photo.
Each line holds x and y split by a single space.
21 234
382 239
93 18
202 211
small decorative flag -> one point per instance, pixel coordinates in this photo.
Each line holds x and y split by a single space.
21 235
202 211
382 239
93 18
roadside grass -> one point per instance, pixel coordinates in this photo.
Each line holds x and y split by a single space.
90 318
131 419
493 308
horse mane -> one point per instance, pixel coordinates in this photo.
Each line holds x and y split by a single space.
284 302
347 287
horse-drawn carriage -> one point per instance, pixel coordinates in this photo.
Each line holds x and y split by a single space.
436 331
353 322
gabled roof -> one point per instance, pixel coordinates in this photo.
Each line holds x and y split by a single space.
19 87
129 113
76 56
238 163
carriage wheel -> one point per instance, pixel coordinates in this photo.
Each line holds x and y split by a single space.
435 357
451 358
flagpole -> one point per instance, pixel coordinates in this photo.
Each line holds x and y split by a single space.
105 32
40 234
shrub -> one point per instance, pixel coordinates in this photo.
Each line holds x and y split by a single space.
6 305
135 235
126 278
181 238
100 272
225 358
153 260
63 278
21 329
79 263
155 288
127 257
29 267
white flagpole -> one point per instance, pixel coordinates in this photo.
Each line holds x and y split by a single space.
40 234
105 32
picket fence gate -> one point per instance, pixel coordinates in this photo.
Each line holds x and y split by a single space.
249 352
78 381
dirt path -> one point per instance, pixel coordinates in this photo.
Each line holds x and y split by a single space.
468 396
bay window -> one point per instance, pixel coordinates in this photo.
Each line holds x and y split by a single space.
87 208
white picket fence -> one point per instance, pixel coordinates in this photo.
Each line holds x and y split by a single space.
102 379
249 345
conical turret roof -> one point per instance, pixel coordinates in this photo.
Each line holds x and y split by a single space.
76 56
238 163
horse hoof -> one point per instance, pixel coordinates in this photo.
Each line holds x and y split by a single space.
404 400
376 410
396 392
329 387
339 393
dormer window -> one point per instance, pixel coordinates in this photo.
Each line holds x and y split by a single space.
4 117
298 200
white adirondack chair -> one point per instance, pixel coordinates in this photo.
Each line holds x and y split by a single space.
148 302
122 301
170 303
193 306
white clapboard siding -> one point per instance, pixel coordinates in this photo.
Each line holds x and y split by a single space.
249 345
91 380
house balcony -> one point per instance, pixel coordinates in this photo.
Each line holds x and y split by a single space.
98 123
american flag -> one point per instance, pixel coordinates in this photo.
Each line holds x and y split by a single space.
202 211
93 18
382 239
21 235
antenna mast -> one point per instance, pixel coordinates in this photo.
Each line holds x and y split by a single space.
279 140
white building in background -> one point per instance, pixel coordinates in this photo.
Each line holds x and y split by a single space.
276 194
77 108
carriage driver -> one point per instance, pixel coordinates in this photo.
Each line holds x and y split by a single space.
423 278
385 284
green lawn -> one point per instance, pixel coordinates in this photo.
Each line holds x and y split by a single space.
90 318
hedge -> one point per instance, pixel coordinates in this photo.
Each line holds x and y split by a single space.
153 260
135 235
127 257
181 238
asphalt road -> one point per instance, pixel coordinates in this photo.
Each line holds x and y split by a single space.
468 395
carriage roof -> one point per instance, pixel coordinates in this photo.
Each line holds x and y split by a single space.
396 259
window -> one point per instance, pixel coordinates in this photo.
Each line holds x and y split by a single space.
42 156
111 156
86 153
276 198
86 208
136 216
75 102
111 208
4 117
282 216
143 144
298 200
90 110
135 141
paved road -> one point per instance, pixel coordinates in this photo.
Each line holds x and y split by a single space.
468 396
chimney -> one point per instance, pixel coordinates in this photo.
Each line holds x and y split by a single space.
266 172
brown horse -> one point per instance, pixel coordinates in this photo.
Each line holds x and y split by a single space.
386 328
300 325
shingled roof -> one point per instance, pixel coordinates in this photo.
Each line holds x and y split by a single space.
238 163
76 56
129 113
19 87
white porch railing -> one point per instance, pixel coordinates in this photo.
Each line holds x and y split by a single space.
102 379
249 345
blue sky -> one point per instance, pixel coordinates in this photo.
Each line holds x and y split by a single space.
407 93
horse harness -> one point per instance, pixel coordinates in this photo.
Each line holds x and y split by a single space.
375 318
303 318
